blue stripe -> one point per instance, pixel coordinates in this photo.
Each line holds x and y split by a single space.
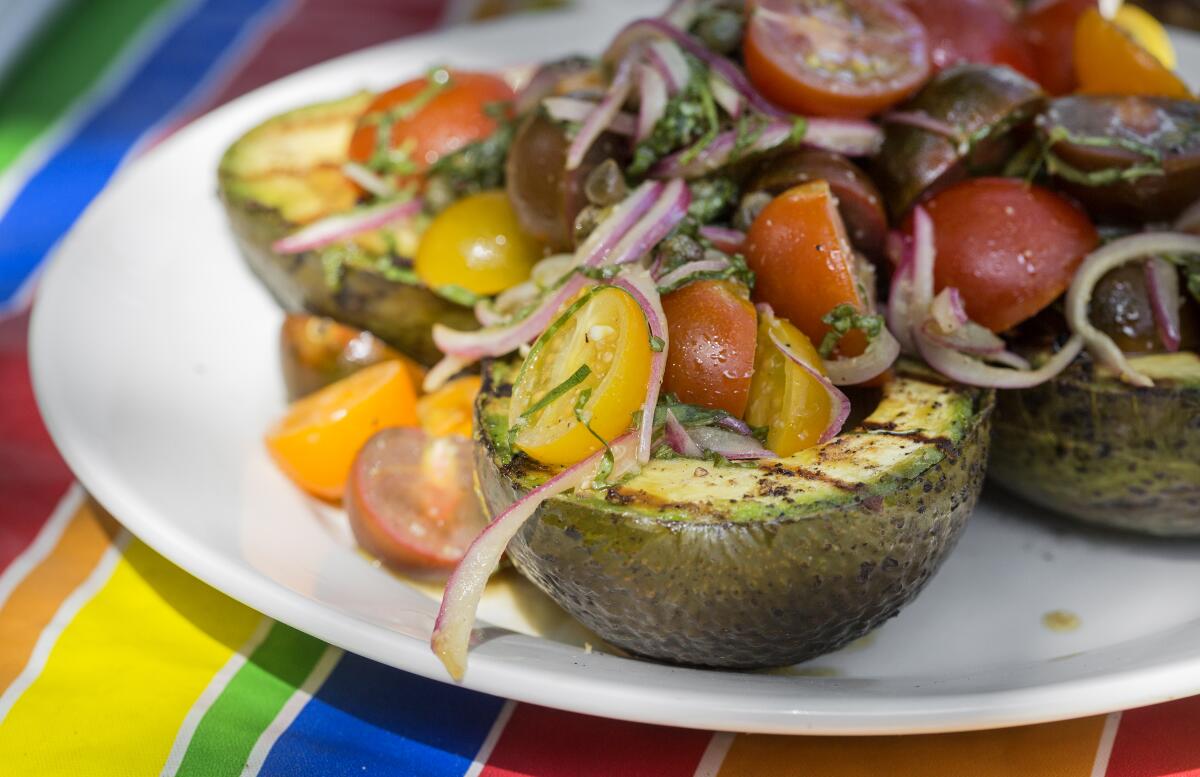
54 197
369 719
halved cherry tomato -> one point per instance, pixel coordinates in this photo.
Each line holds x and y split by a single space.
477 244
803 263
429 118
1009 247
411 500
450 409
318 438
608 336
835 57
711 355
1109 60
784 397
973 31
1049 27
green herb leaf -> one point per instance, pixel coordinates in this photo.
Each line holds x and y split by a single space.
841 320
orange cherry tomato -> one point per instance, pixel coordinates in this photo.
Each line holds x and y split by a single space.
1010 248
429 119
712 331
803 263
1109 61
835 57
317 440
450 409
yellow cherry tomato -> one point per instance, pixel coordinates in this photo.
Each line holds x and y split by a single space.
450 409
477 244
317 439
1147 33
589 370
1112 57
784 397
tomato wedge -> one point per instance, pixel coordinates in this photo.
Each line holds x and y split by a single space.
1010 248
784 397
411 500
847 58
803 263
428 117
583 380
711 354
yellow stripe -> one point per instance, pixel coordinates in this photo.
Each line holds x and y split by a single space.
1064 749
124 673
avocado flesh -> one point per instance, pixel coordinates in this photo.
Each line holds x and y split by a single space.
749 567
1091 447
285 173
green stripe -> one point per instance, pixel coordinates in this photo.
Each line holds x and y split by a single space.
66 61
226 734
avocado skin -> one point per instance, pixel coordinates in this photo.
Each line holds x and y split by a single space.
745 594
399 313
1104 452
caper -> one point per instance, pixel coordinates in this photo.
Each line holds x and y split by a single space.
587 221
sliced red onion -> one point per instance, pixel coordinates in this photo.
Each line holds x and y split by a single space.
900 314
734 424
652 100
545 80
923 121
726 96
842 136
1189 220
668 210
1095 267
924 256
486 314
677 437
898 248
672 278
654 29
600 118
947 310
343 226
881 354
731 445
728 240
839 403
966 369
1008 359
464 589
969 338
665 57
574 109
369 180
1162 285
443 371
639 285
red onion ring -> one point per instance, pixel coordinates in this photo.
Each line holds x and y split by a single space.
1162 285
639 285
731 445
342 226
575 110
692 268
599 119
652 97
668 60
723 238
677 437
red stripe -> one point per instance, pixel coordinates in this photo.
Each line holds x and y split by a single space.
1158 741
548 743
32 475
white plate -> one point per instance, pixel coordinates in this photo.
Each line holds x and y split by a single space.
153 352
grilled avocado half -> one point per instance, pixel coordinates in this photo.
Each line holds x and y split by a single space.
753 566
1091 447
285 173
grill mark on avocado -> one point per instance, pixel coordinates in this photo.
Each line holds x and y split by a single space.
941 442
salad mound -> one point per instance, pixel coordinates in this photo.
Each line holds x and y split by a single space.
729 302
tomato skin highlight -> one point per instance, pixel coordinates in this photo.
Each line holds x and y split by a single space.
973 31
1049 27
454 117
710 359
1010 248
803 263
791 70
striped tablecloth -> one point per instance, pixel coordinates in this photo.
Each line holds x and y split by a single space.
115 662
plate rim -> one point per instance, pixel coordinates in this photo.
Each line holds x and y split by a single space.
491 671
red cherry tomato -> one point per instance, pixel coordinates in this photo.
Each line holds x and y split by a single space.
835 57
973 31
431 120
1009 247
1049 27
712 330
411 500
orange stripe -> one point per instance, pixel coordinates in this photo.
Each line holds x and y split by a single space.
1064 749
34 602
